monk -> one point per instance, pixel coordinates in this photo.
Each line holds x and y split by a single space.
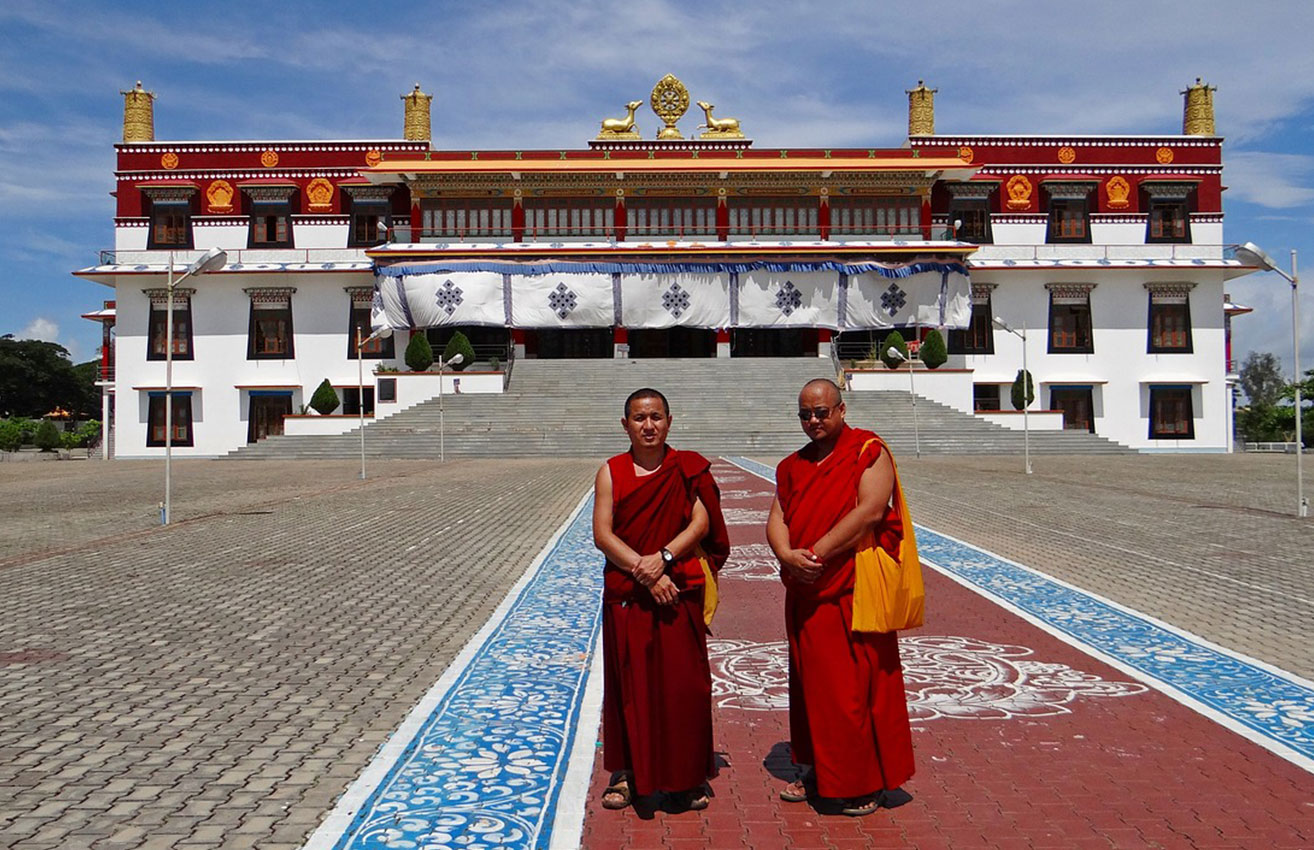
657 518
848 715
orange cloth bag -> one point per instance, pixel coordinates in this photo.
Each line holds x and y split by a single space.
888 594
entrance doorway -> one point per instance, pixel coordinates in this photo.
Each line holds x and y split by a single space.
1077 406
773 342
486 341
673 342
266 416
569 343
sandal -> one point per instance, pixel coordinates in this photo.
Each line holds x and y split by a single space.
859 806
794 792
693 800
617 795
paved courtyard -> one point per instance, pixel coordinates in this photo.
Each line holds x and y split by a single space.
220 682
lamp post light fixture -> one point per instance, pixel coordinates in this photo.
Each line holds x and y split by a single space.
912 393
1252 255
456 359
381 333
211 260
1026 390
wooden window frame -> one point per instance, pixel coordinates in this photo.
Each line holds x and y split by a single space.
161 210
380 348
263 212
786 215
678 217
157 330
1181 338
975 215
982 401
450 218
873 215
1179 224
1181 428
1065 214
255 350
1082 332
366 216
979 335
569 218
182 419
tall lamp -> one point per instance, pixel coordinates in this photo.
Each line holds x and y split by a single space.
211 260
912 393
381 333
456 359
1026 387
1252 255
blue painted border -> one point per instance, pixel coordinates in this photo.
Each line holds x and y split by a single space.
1276 706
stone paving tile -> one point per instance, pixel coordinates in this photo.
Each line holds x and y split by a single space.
177 680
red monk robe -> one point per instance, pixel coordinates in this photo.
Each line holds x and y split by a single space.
657 685
848 714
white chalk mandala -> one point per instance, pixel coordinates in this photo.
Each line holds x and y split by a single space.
752 562
744 516
946 676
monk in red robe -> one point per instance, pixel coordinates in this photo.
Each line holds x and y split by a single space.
657 518
848 715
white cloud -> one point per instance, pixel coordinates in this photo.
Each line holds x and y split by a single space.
40 328
1274 180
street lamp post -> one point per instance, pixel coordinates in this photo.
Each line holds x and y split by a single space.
1026 387
912 393
442 426
1252 254
211 260
360 384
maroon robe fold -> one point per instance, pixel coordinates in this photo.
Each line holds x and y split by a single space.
657 685
848 713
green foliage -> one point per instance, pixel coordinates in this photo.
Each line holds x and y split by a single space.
325 399
933 352
11 436
459 344
1016 392
1261 378
494 363
36 377
27 427
893 340
47 436
419 353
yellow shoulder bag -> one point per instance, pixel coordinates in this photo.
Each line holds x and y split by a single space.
888 594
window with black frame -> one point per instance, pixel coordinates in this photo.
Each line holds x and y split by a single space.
979 335
969 211
269 335
158 325
181 420
359 328
1168 211
1070 325
1169 322
1171 413
1069 211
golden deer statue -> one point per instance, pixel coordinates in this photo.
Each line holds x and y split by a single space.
722 128
621 127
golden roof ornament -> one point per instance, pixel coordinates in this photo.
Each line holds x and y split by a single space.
670 100
921 110
621 128
1198 110
417 127
719 128
138 115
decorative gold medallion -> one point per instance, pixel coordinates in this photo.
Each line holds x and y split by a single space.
1118 190
1019 192
269 158
169 160
373 157
320 195
1067 155
1163 156
719 128
965 153
621 128
219 197
670 100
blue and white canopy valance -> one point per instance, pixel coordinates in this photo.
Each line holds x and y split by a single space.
827 294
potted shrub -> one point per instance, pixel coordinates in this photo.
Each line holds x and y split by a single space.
325 399
459 344
933 353
419 353
1018 404
893 340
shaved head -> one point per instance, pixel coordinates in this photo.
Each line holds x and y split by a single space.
830 388
646 392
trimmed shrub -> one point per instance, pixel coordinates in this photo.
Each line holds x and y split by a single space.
325 399
933 352
11 436
1017 391
459 344
419 353
893 340
494 363
47 436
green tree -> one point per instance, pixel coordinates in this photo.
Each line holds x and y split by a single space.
459 344
933 352
419 353
11 436
893 340
47 436
1017 391
36 377
325 398
1261 378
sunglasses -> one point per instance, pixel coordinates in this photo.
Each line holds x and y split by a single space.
806 414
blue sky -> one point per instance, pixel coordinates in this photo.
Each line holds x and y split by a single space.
542 74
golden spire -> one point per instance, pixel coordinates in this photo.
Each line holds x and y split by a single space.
138 115
1198 111
921 110
417 115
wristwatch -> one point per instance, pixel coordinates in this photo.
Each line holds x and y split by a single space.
667 558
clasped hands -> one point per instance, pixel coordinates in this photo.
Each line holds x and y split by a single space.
803 564
651 573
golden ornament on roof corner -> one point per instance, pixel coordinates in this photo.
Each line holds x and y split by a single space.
921 110
1198 110
719 128
138 115
621 128
417 126
670 100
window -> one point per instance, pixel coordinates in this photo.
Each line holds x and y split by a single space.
1077 404
1168 205
874 216
171 225
351 401
182 325
1070 320
979 336
387 389
569 217
270 333
467 218
271 225
773 216
1170 319
182 419
969 203
678 217
1068 221
359 323
985 397
1171 417
366 216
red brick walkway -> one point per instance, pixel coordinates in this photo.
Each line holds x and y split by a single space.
1015 749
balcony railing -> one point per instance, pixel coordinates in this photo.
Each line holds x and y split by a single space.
403 233
1103 253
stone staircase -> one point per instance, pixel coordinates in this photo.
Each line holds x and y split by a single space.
743 406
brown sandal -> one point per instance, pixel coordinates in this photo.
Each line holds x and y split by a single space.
794 792
617 795
862 806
